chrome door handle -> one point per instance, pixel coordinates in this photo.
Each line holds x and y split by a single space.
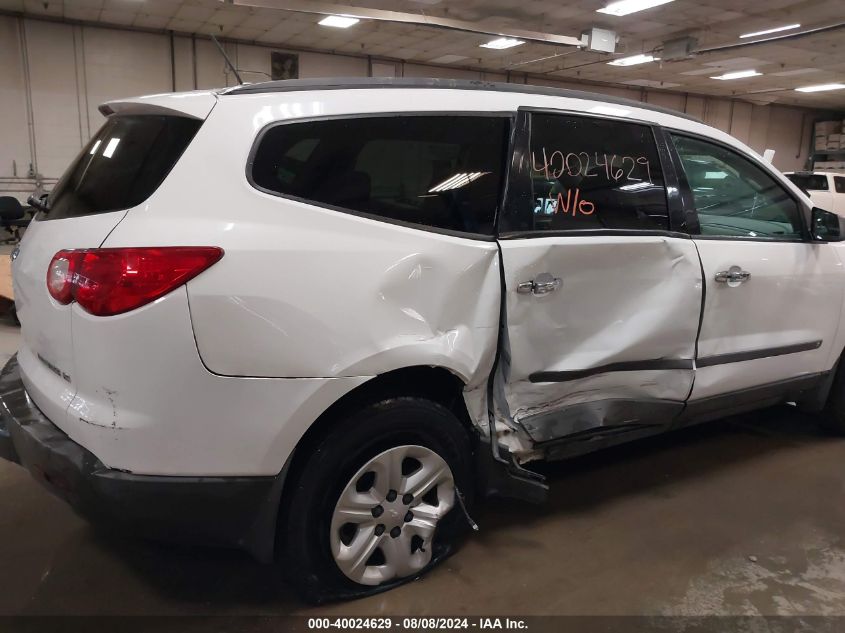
733 276
543 284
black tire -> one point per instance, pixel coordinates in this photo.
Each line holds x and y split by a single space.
304 525
832 417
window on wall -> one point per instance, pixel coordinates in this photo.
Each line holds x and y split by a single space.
733 196
436 171
590 173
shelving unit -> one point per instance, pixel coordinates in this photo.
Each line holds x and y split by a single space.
827 155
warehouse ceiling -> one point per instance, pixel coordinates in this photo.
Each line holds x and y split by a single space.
783 64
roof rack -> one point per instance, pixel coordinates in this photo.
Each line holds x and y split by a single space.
352 83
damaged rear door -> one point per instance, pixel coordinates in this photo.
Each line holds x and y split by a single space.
602 298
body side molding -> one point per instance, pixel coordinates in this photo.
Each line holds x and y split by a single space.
636 365
768 352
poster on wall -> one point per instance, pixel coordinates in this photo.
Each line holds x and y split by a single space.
284 65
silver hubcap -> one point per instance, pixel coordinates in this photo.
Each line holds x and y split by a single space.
385 518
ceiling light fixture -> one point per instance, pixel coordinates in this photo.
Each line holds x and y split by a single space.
821 88
739 74
338 21
502 43
624 7
777 29
633 60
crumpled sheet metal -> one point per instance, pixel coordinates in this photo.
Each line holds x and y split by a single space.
623 299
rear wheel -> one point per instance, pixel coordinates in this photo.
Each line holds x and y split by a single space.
375 505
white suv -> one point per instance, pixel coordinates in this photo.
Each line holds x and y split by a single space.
290 316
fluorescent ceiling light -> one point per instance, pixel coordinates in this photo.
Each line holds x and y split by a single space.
821 88
739 74
94 149
777 29
338 21
609 110
633 60
624 7
501 43
457 181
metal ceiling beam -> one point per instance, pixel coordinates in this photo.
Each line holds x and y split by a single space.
398 17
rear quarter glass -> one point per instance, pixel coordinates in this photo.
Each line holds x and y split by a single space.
122 165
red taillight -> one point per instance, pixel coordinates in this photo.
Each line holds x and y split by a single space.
109 281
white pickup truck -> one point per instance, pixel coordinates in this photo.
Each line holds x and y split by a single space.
825 188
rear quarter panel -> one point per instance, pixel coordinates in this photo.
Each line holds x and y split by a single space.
304 291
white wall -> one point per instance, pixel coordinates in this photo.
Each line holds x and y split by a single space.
53 76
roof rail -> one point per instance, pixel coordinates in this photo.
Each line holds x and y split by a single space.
352 83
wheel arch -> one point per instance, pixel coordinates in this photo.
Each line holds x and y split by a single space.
434 383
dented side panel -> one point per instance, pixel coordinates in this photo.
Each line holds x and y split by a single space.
628 302
310 292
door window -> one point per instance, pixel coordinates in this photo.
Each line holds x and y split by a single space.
839 184
733 196
436 171
589 173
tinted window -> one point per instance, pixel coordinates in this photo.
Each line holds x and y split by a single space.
839 184
809 182
122 165
588 173
438 171
733 196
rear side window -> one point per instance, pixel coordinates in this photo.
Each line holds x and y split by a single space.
839 184
809 182
589 173
122 165
442 171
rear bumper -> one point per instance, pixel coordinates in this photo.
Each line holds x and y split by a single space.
222 511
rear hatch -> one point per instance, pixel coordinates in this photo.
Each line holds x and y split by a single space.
117 171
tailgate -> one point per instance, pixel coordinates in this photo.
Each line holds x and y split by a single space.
46 347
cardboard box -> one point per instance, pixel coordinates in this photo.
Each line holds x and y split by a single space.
829 127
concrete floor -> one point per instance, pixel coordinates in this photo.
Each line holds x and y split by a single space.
743 516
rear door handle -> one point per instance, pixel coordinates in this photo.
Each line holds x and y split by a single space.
733 276
543 284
